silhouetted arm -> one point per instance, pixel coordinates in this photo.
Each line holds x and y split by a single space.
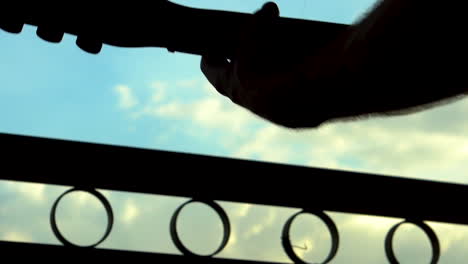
397 60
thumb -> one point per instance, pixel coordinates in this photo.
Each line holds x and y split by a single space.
254 55
268 11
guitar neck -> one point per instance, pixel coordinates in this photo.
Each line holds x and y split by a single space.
180 28
200 31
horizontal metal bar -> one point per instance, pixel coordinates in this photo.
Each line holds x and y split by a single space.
59 254
100 166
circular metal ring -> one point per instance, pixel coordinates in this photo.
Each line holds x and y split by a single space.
221 213
101 198
427 230
288 248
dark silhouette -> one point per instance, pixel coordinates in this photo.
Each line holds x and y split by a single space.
404 56
165 24
93 167
292 72
397 60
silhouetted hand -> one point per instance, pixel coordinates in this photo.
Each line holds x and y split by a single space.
379 66
255 79
292 93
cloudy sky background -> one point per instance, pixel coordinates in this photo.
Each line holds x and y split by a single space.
153 99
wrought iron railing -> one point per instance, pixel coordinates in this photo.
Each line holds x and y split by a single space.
206 179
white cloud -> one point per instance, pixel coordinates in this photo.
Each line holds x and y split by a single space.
32 191
263 143
242 210
266 222
158 95
84 199
231 246
127 99
254 230
430 145
188 83
450 235
408 146
172 110
158 92
374 223
15 236
208 112
159 85
362 237
130 212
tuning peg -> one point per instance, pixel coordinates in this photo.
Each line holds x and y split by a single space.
89 45
11 27
49 34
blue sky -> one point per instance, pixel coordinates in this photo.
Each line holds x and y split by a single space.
151 98
60 91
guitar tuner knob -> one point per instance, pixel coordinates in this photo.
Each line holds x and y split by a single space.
89 45
49 34
11 27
